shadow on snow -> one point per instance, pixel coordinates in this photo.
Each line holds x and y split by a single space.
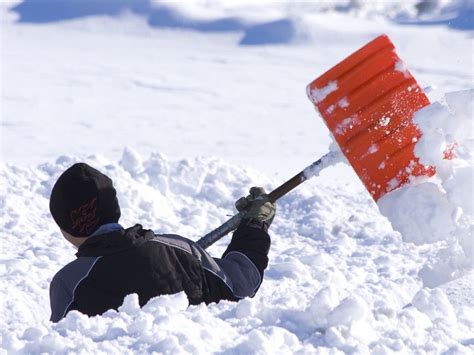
281 31
45 11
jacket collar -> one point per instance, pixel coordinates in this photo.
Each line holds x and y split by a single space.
114 241
106 228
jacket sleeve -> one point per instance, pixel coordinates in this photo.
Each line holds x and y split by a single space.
243 263
253 242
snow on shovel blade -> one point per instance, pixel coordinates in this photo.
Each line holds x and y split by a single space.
368 101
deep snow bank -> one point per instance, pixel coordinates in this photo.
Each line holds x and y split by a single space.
337 281
441 208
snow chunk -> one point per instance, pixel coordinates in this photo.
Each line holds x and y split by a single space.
384 121
459 188
373 149
330 109
319 94
401 67
435 305
271 340
130 304
350 309
346 124
343 102
421 213
320 306
131 161
329 159
446 126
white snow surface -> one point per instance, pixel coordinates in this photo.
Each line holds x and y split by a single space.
185 119
338 278
440 208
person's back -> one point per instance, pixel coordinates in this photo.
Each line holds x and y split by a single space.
114 262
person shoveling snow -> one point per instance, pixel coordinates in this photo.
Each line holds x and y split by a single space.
367 101
113 262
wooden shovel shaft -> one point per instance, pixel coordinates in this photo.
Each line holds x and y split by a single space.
232 224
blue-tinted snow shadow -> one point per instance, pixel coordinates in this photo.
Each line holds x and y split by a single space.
45 11
275 32
460 18
163 17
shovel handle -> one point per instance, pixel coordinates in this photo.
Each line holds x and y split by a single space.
232 224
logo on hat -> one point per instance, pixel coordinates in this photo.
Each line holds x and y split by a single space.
84 219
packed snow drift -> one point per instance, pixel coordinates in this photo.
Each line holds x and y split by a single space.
440 208
339 277
186 108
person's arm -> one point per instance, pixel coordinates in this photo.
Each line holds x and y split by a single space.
246 257
252 241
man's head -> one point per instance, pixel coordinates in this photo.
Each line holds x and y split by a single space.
82 200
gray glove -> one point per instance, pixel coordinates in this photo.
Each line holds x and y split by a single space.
256 208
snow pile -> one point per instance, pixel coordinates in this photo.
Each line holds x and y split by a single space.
338 278
441 208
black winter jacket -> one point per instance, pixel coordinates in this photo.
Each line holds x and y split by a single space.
110 266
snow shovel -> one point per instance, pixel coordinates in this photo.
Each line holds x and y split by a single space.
367 101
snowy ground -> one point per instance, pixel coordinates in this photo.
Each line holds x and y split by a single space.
185 121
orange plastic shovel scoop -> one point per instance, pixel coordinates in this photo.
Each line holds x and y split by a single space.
368 101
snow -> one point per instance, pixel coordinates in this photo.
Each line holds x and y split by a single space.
444 203
185 115
319 94
343 102
401 67
384 121
406 207
330 159
346 124
373 149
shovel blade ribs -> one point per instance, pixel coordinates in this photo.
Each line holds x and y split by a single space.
367 101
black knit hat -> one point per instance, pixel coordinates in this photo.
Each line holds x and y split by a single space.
82 200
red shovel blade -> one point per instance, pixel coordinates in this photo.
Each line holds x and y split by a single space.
368 101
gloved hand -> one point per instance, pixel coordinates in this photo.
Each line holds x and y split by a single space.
256 208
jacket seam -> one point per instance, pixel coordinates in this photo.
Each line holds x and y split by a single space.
77 284
205 268
224 281
181 249
171 245
213 272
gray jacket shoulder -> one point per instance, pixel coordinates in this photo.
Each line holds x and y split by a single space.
64 284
